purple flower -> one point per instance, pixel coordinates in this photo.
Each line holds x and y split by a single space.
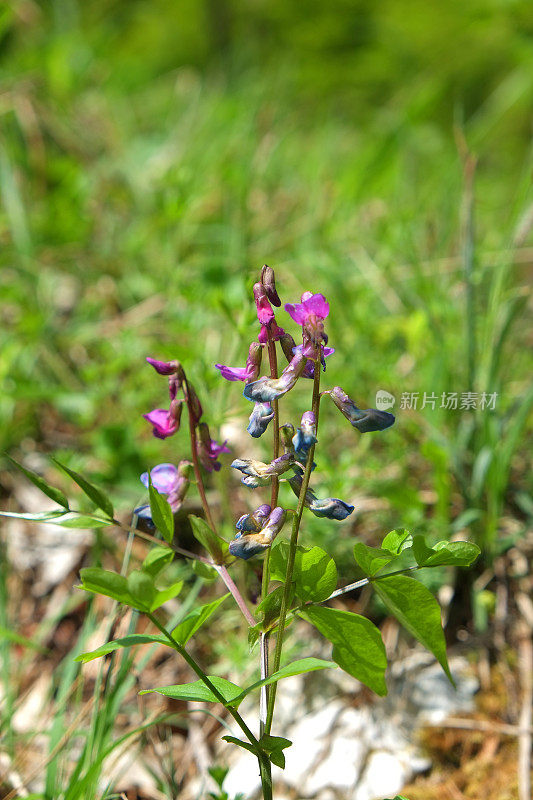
247 373
165 423
250 544
171 481
165 367
275 332
266 389
209 449
365 420
264 310
260 417
309 371
313 307
252 523
257 473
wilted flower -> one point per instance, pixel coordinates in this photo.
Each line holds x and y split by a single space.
286 433
170 480
305 436
331 507
257 473
165 422
367 420
250 544
209 449
259 419
266 389
252 523
247 373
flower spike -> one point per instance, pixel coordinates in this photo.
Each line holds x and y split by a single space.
367 420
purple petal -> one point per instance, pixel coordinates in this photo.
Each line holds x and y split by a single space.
297 312
233 373
164 477
162 423
163 367
317 305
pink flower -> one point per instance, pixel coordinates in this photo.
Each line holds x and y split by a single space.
170 480
165 423
313 307
275 331
248 373
264 310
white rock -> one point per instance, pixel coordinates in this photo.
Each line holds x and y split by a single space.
340 769
384 776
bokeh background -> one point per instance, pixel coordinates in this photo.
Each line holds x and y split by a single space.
155 153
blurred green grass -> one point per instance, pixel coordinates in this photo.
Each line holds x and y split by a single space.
154 155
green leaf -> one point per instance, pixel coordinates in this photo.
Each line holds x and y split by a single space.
96 495
141 588
218 774
156 560
240 743
50 491
41 516
295 668
371 559
204 571
16 638
357 645
82 521
127 641
278 758
397 541
103 581
162 515
268 609
457 554
415 607
315 573
163 595
199 691
270 743
215 546
193 621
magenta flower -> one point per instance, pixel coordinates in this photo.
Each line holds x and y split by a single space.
275 332
264 390
264 310
313 307
165 423
247 373
209 449
165 367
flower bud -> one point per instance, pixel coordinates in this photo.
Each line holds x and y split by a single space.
209 449
331 507
367 420
286 433
195 407
305 436
268 279
250 544
287 345
166 367
260 417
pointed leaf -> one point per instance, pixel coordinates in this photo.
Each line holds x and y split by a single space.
397 541
41 516
103 581
141 588
199 691
457 554
415 607
314 575
162 515
50 491
127 641
215 546
164 595
193 621
371 559
240 743
278 758
82 521
296 668
156 560
96 495
270 743
357 645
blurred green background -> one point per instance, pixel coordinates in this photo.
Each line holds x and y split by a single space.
155 153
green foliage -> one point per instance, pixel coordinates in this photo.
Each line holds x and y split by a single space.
138 590
162 515
215 545
315 573
55 494
127 641
194 621
417 610
357 645
93 493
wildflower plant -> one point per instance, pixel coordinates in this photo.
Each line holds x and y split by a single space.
298 582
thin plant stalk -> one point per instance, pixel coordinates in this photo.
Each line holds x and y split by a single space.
292 551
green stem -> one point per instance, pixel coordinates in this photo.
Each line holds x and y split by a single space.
212 688
285 600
